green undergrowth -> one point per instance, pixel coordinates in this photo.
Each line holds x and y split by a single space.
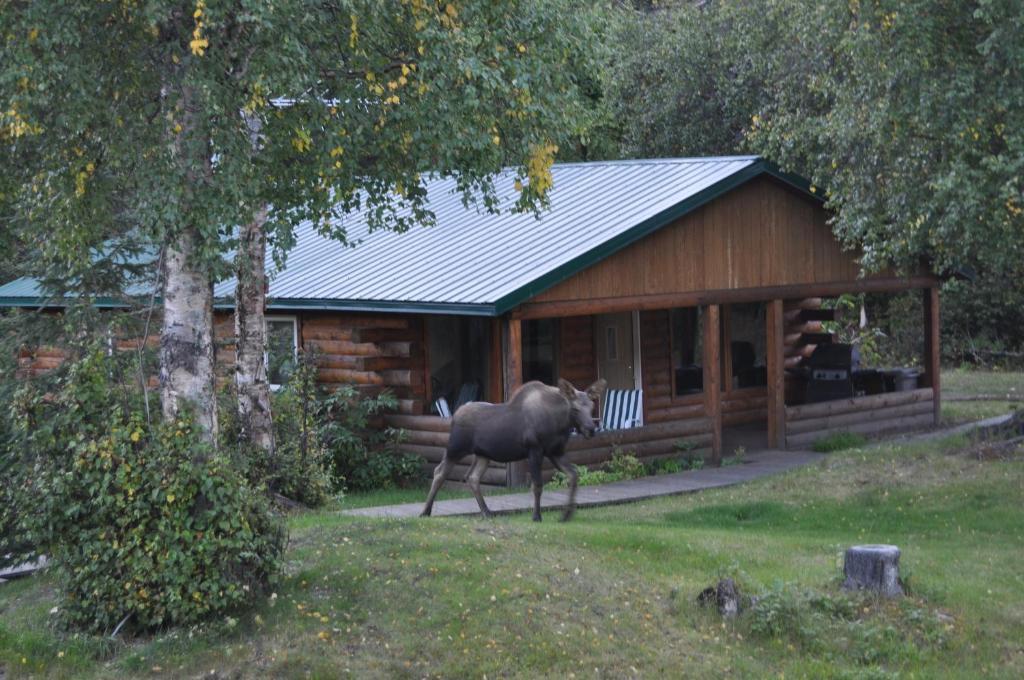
613 593
837 441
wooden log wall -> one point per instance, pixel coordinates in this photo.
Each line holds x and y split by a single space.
370 352
871 416
660 404
577 360
746 405
427 437
802 328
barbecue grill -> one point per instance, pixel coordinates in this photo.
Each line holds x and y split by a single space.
830 372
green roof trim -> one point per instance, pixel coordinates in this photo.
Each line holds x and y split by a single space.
305 304
649 226
290 304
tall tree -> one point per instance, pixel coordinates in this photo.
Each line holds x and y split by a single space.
134 117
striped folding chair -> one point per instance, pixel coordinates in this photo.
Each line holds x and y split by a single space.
622 409
441 406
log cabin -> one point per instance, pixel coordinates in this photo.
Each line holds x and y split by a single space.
697 281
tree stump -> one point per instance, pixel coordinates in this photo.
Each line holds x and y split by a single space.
725 596
873 567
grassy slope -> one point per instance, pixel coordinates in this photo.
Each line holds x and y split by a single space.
962 383
612 593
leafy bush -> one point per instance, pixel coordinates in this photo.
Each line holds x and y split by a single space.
362 458
664 466
298 468
586 477
145 524
864 629
625 465
837 441
669 466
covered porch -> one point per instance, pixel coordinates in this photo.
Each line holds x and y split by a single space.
716 371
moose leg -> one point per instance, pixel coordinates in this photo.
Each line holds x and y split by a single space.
440 474
537 482
563 465
475 473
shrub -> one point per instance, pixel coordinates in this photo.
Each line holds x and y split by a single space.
837 441
586 477
361 458
664 466
145 524
625 465
669 466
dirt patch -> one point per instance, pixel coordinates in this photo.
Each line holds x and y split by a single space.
989 451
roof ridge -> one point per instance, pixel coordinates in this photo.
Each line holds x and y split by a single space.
659 161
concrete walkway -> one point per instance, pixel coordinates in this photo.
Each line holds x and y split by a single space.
756 465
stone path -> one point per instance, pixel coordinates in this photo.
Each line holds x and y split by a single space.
756 465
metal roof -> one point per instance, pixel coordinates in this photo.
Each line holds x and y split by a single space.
475 262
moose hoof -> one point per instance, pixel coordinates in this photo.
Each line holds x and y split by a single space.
568 515
425 513
487 514
536 518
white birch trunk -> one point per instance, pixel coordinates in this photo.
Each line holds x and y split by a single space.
186 339
253 391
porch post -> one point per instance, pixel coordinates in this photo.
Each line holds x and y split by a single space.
516 474
712 379
931 346
496 373
775 361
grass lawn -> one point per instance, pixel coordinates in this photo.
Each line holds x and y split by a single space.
1001 392
613 593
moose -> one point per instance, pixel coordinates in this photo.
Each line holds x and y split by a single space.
535 423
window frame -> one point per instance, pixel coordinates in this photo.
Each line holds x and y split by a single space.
693 397
267 319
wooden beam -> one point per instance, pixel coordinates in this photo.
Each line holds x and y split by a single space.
854 404
517 473
608 305
932 353
496 389
776 365
712 380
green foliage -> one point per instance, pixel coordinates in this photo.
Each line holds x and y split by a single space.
585 477
837 441
906 116
856 627
622 465
299 467
326 443
145 524
110 113
360 457
625 464
669 466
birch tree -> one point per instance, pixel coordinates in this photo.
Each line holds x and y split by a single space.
130 118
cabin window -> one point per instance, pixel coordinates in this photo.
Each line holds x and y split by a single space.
282 348
746 330
687 350
539 350
458 352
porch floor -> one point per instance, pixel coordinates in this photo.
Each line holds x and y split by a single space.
756 464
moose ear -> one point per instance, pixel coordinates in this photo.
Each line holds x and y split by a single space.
566 388
596 391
